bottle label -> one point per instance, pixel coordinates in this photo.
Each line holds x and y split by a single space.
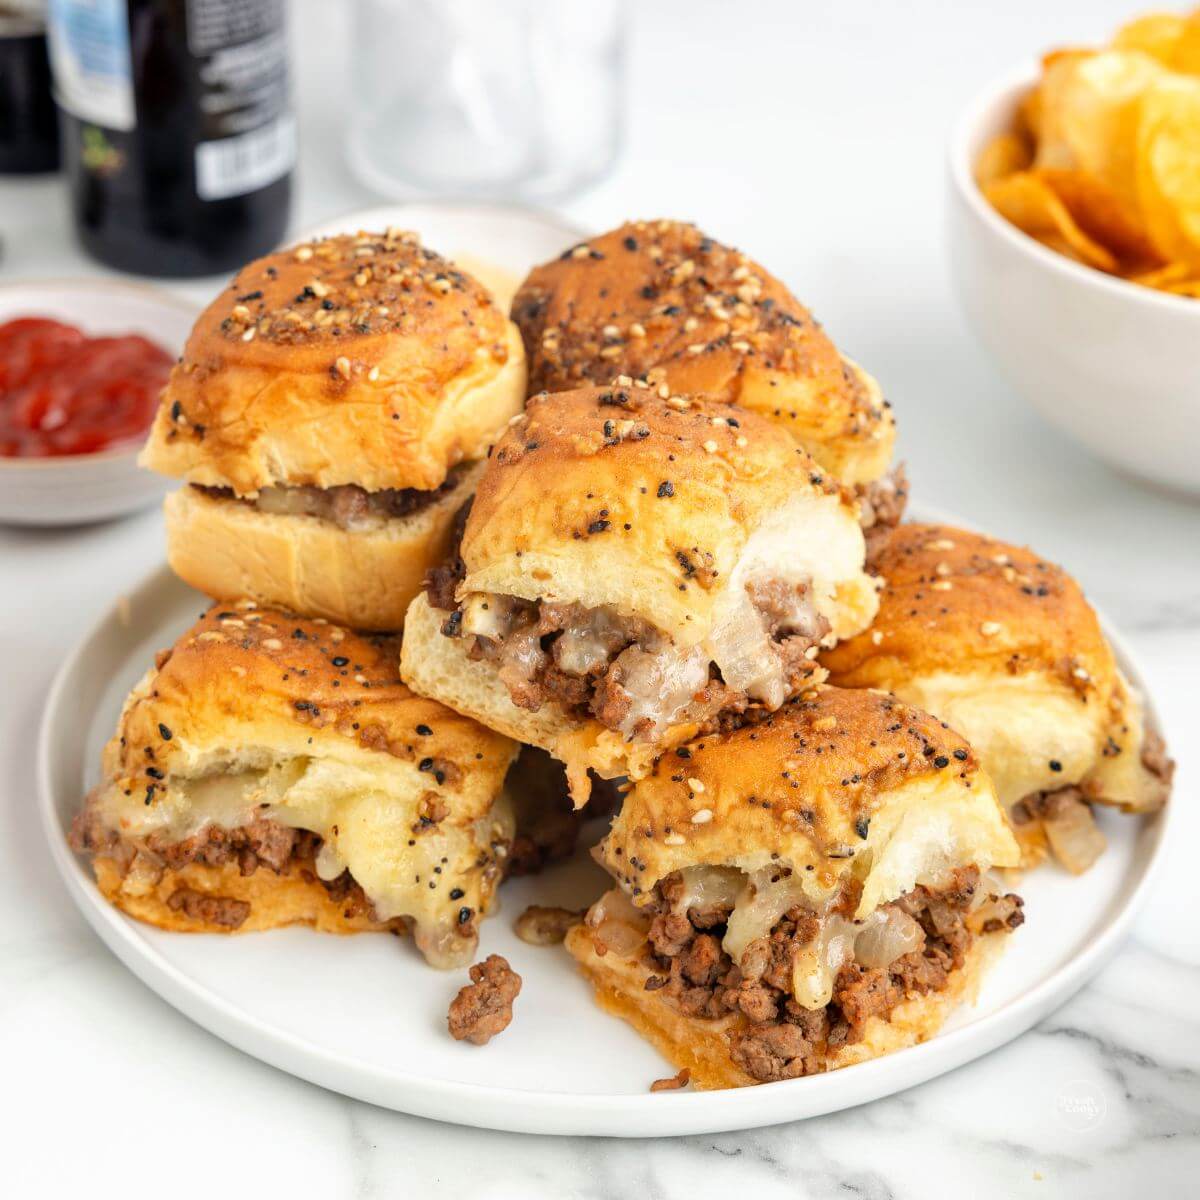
234 165
89 53
248 136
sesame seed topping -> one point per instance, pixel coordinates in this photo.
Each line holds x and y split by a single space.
710 446
674 839
702 817
696 785
990 628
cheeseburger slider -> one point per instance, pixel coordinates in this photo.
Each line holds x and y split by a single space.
637 568
660 300
328 416
1003 646
802 894
272 770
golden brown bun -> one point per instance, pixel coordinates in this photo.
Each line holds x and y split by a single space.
258 713
837 785
293 897
659 299
357 359
617 496
1003 645
702 1045
365 578
441 667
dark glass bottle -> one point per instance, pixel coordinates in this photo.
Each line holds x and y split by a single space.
28 129
177 134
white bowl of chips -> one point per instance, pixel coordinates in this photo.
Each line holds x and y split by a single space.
1106 348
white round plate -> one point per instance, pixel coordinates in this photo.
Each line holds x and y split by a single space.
365 1016
497 243
82 488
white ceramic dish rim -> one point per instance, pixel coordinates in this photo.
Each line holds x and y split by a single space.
569 1113
79 283
962 173
467 208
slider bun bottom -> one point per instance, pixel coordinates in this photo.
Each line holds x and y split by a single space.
439 667
293 897
364 579
703 1046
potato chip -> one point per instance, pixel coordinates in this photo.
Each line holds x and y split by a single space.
1005 154
1103 216
1163 277
1168 168
1031 205
1156 34
1102 163
1090 109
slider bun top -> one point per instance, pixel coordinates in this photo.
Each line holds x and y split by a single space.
1004 646
245 676
363 360
994 607
837 785
659 508
660 300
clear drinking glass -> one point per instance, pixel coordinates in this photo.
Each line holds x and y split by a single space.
486 98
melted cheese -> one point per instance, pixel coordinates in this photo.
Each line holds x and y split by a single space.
366 823
1017 725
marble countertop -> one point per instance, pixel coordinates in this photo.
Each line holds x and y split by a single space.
814 139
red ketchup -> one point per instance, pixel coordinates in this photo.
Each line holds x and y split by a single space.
62 392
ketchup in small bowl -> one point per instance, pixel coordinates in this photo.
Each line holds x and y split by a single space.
65 393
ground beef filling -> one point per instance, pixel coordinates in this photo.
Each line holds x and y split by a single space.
1157 761
881 504
621 671
782 1039
259 845
1065 817
346 506
548 823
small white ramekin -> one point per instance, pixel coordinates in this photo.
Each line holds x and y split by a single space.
82 488
1114 364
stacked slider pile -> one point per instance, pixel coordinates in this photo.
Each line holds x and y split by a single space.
679 568
656 557
329 415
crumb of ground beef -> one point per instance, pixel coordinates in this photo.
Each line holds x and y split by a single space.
483 1008
546 926
673 1082
212 910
